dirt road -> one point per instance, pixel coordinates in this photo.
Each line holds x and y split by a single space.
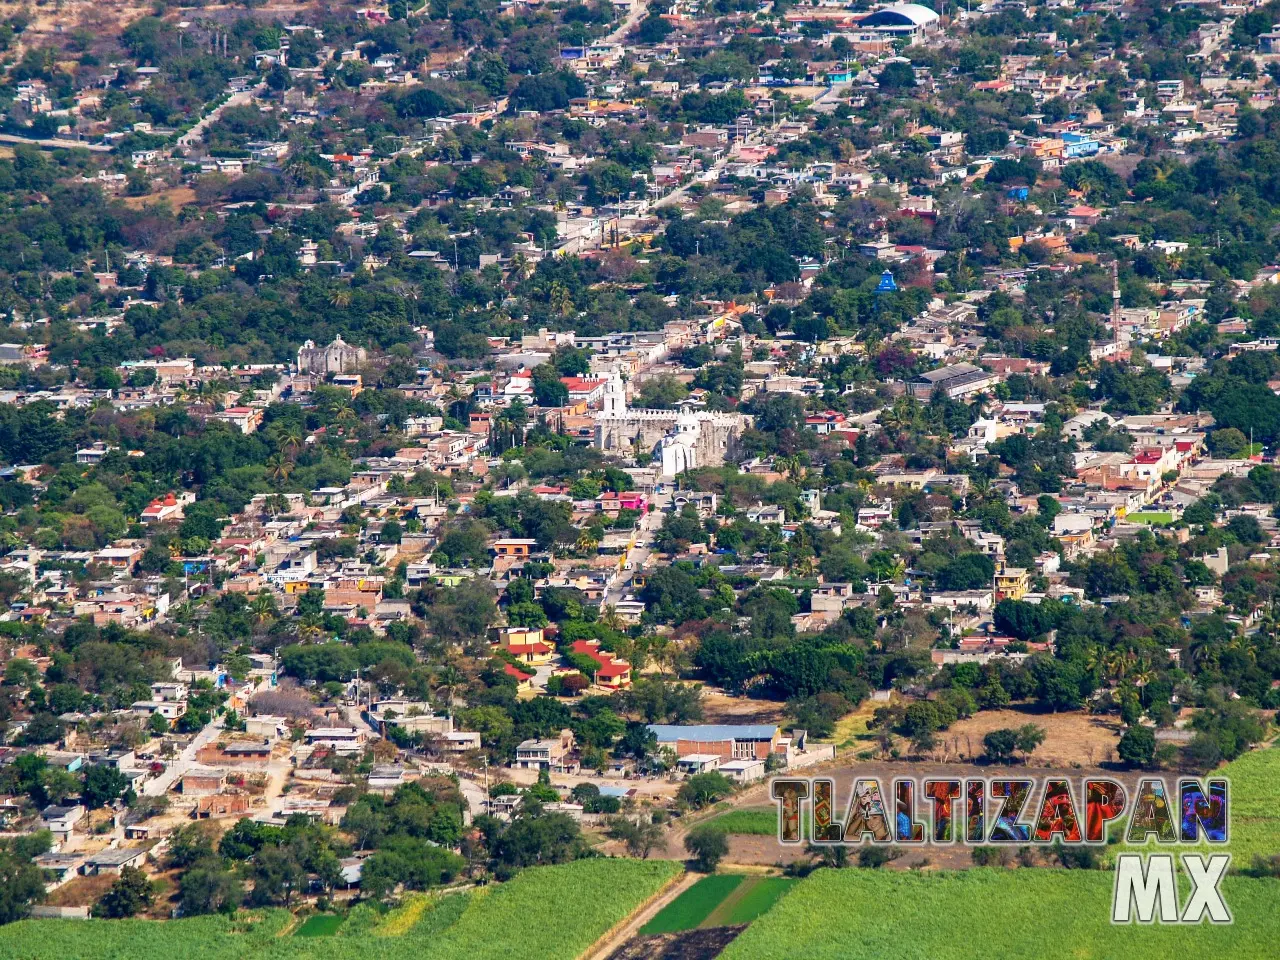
614 939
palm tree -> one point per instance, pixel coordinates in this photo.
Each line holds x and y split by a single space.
587 543
559 298
264 608
340 297
609 618
213 391
279 467
519 267
661 651
289 436
447 682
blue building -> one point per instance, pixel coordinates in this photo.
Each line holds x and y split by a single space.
1079 145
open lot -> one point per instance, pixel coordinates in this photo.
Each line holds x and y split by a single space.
176 197
1071 739
720 707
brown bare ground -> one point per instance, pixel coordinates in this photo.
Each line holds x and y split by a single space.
82 891
689 945
177 197
50 20
718 707
1071 739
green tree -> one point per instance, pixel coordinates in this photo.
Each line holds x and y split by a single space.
1000 746
102 785
131 894
708 846
209 887
21 884
1137 747
703 789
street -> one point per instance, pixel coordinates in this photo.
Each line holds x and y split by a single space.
159 786
619 585
634 15
235 100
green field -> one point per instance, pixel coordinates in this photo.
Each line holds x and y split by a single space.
723 899
1255 808
751 900
545 913
1030 914
691 908
756 821
1255 804
321 925
1153 517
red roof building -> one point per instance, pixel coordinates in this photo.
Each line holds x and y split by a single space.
611 671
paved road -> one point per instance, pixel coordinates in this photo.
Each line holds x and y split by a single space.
633 17
235 100
160 785
832 98
474 794
620 585
56 143
710 176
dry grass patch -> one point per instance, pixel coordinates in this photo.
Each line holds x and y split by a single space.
1071 739
177 197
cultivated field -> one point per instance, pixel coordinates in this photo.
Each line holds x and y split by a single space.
546 913
721 900
1254 805
994 914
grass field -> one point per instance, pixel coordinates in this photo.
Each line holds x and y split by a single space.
852 728
721 900
1030 914
752 821
1155 518
545 913
691 908
1254 804
757 821
321 925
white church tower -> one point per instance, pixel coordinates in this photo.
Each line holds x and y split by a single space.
615 396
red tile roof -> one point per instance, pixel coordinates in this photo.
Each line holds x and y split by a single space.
519 674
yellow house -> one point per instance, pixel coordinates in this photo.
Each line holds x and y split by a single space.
1012 583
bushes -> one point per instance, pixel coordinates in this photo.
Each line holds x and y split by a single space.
130 894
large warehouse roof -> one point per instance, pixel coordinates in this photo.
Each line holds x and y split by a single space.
901 14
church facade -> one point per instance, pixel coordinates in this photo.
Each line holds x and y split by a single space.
337 357
679 440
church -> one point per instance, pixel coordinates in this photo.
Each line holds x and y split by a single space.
679 440
337 357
